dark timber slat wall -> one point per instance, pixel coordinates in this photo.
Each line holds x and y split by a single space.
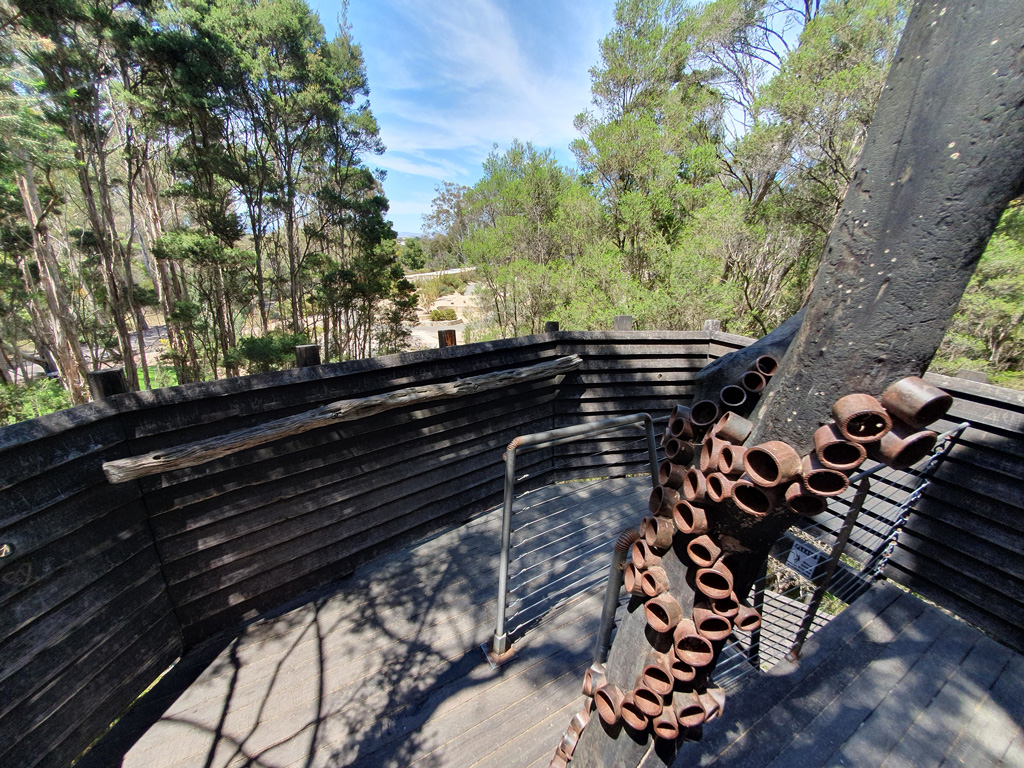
245 533
963 546
107 584
87 623
624 373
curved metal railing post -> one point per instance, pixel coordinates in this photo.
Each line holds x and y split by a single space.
500 644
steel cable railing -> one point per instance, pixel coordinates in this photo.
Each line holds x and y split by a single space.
559 551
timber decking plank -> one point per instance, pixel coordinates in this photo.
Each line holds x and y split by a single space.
774 732
933 733
894 708
839 711
757 695
279 682
446 709
536 745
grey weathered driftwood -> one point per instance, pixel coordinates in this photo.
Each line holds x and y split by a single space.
202 451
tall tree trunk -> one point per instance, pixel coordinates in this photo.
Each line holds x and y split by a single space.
943 158
62 336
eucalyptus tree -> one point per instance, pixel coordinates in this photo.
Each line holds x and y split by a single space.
83 40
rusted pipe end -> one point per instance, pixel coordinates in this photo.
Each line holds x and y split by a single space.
647 701
753 382
593 679
608 700
733 428
663 612
689 518
731 462
642 555
631 714
732 396
695 485
682 671
709 624
688 708
820 480
861 418
713 700
728 606
753 499
772 464
703 551
916 402
679 452
747 619
690 646
657 673
902 447
719 487
703 414
666 725
766 365
670 474
660 532
679 425
711 454
662 500
803 503
654 581
632 580
836 452
715 582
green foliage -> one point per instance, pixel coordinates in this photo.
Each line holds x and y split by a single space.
272 352
27 400
987 333
443 313
711 166
412 255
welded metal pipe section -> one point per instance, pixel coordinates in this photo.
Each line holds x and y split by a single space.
500 644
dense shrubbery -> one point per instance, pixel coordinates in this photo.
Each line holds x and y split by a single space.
443 313
31 399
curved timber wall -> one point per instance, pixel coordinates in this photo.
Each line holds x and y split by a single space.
105 585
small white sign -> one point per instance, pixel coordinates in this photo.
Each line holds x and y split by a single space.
804 558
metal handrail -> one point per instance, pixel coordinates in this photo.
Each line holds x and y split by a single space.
500 645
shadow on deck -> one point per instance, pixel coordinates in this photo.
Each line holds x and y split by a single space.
386 669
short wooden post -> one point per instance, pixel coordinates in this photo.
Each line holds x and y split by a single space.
307 355
107 382
712 326
446 338
623 322
551 326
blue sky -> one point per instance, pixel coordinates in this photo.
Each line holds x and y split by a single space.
451 78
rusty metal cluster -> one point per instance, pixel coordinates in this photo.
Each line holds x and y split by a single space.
706 465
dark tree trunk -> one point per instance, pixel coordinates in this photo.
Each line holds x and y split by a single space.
944 156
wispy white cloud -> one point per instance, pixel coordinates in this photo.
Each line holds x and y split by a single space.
450 79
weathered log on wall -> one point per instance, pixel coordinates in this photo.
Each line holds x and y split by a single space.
88 623
199 452
247 531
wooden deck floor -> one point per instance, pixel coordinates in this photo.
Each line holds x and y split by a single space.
893 683
387 670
